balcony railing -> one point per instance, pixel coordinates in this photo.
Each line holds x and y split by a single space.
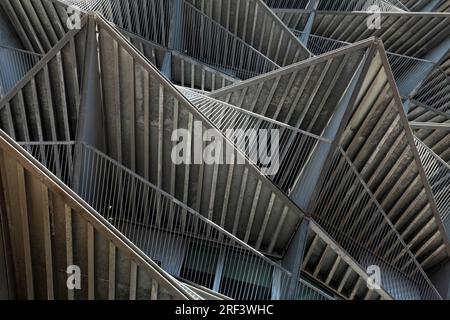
406 70
435 91
357 5
183 242
15 64
244 128
193 33
338 5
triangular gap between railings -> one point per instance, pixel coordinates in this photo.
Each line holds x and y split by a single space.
91 124
42 63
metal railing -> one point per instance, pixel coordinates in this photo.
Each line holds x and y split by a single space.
14 65
338 5
307 291
150 19
193 33
435 91
349 212
209 42
345 207
438 174
183 242
404 68
356 5
287 4
51 190
319 45
55 156
408 71
291 151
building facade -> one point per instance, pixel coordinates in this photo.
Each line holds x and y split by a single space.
252 150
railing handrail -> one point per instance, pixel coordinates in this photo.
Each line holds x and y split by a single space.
242 245
436 156
255 115
86 6
45 143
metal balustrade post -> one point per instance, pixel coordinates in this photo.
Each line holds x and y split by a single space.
293 259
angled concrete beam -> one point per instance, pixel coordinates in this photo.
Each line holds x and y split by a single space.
418 162
136 146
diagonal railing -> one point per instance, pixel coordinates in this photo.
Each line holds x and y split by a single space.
209 42
15 64
438 174
338 5
435 91
150 19
349 212
289 153
287 4
356 5
198 36
319 45
50 191
183 242
404 68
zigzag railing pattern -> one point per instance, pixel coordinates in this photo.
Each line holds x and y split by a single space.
183 242
438 173
348 211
